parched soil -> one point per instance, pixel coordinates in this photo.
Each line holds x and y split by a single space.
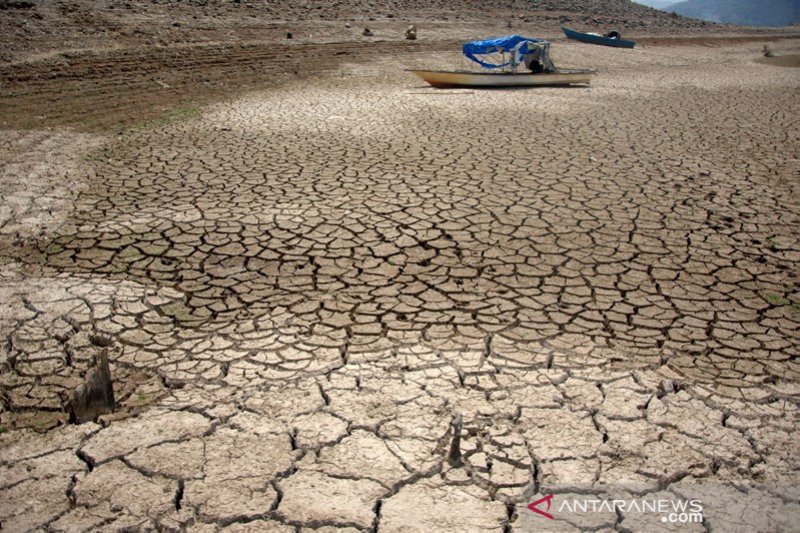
113 90
338 298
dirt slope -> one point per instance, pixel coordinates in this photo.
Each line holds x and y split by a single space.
40 26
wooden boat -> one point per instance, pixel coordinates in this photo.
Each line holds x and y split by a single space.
523 62
595 38
465 78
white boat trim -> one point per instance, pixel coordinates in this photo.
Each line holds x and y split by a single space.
462 78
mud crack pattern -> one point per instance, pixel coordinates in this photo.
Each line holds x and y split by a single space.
301 290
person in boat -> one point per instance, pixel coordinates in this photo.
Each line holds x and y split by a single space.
536 60
613 34
535 66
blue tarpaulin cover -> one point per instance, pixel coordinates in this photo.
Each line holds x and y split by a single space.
517 45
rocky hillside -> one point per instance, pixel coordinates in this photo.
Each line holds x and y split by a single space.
29 27
339 9
658 4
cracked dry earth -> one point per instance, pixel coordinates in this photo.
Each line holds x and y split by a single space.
308 295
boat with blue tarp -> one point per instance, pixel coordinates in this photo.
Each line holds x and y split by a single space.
510 61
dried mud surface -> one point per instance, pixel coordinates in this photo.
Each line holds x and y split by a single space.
303 290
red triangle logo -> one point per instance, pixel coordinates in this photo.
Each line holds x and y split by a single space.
533 506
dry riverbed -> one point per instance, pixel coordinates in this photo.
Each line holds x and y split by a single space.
357 302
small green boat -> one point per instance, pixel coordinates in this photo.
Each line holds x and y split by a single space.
610 39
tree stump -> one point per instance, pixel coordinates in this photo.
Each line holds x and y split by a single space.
454 454
96 395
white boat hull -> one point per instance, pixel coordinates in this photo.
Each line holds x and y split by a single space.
441 78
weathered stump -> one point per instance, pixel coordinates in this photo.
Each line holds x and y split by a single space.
96 395
454 455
